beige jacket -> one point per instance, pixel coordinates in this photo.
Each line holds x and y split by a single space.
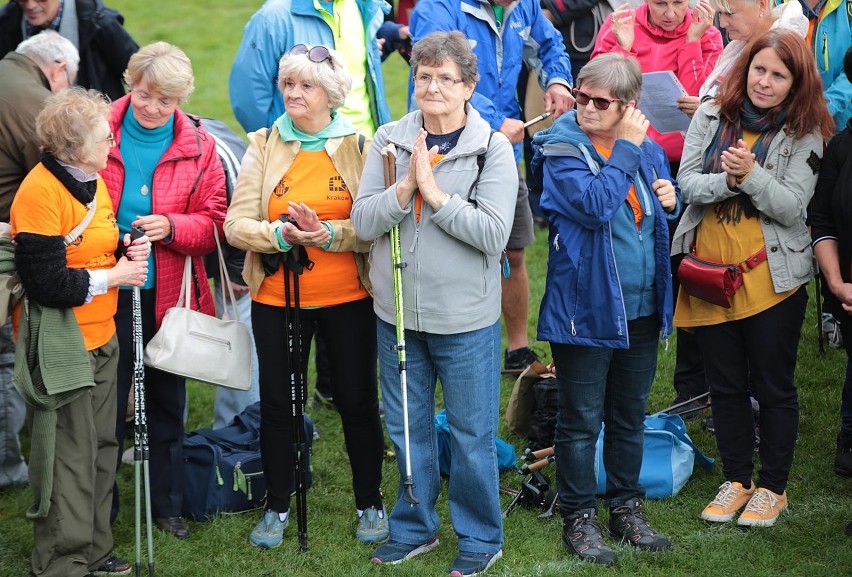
265 162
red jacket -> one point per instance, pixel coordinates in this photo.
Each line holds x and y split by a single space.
657 50
189 189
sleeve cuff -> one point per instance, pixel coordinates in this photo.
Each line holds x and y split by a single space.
330 230
98 283
283 245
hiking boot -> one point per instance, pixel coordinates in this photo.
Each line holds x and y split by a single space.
583 536
372 526
514 362
728 501
269 531
173 525
690 409
843 456
629 524
113 566
763 508
470 564
320 400
394 552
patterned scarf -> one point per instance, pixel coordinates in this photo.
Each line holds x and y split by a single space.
755 120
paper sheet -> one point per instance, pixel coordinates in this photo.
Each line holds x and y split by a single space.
660 91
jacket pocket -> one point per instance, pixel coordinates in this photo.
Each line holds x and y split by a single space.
800 260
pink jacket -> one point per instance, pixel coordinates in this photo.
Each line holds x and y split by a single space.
189 189
656 50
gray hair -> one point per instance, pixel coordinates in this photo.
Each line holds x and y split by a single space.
48 47
330 74
66 125
438 47
615 72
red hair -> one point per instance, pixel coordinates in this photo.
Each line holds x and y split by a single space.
805 104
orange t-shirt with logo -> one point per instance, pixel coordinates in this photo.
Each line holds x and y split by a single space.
312 179
44 206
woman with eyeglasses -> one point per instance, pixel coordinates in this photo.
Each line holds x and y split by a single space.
165 177
749 170
292 202
68 257
608 195
453 200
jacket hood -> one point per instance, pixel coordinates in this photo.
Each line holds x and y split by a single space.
643 19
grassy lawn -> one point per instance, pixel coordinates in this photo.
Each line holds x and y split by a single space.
809 540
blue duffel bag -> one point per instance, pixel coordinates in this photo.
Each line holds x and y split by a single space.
223 472
668 457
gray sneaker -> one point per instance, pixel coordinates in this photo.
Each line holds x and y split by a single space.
372 526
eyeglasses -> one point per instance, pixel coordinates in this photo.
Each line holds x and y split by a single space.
316 54
601 103
110 139
443 81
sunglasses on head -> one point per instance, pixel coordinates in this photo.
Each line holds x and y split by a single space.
601 103
316 54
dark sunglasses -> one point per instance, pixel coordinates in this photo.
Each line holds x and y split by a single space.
601 103
316 54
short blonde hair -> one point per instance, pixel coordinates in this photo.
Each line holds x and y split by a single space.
66 125
165 68
330 74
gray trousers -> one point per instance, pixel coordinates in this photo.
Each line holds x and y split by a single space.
13 469
76 538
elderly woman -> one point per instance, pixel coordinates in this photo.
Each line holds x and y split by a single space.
294 195
61 197
829 218
749 170
665 35
454 202
164 176
608 196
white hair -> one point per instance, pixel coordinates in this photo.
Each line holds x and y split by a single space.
48 47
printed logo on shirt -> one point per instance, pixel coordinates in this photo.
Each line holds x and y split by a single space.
111 218
100 261
77 241
336 184
283 187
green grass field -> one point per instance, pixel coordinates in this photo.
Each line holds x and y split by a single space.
808 541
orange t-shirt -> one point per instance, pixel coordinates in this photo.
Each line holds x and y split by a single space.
333 280
44 206
632 196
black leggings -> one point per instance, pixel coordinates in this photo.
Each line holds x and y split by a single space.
350 336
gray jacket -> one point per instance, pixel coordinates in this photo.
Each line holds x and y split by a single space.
451 281
780 189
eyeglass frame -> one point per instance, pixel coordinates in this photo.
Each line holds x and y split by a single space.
579 95
323 56
110 139
440 81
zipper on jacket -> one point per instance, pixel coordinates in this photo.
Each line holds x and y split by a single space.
824 50
621 331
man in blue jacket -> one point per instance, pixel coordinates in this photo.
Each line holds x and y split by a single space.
278 26
504 34
829 35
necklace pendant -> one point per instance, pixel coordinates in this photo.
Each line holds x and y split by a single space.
144 190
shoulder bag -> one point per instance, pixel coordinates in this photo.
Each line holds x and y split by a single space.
202 347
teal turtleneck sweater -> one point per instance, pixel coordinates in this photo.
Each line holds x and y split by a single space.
141 148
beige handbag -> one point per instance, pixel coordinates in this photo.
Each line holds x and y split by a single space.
202 347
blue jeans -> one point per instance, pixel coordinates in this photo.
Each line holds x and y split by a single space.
13 468
598 384
468 365
231 402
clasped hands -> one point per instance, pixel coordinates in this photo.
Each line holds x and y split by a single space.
308 230
419 177
737 162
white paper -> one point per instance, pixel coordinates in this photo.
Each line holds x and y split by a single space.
660 91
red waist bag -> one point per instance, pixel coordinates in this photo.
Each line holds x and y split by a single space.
715 282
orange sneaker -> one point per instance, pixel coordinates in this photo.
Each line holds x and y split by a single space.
728 501
763 508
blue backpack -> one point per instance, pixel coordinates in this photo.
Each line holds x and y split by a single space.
223 472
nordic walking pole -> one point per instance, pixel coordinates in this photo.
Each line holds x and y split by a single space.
294 262
538 118
389 160
140 430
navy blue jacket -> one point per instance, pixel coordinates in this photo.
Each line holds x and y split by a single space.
583 302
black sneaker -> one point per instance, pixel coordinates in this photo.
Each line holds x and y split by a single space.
628 523
843 456
583 536
514 362
112 566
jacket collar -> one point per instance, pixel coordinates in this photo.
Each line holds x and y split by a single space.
473 140
187 137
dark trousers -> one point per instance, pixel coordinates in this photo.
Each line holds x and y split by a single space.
756 355
350 336
165 399
599 384
846 399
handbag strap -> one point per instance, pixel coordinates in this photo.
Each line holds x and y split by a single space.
753 260
78 230
225 281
